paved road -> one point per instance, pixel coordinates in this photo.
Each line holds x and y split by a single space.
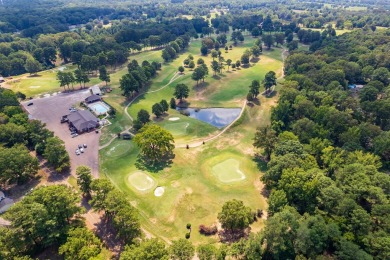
50 109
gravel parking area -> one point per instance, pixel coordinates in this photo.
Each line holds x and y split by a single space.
50 110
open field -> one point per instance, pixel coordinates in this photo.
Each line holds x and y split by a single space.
43 83
338 31
200 179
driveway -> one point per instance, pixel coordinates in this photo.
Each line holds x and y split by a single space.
50 110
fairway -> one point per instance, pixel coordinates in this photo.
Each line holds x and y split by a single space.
228 171
141 181
119 149
200 179
177 128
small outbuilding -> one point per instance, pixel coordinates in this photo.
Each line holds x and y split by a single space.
93 98
83 121
2 79
95 90
126 136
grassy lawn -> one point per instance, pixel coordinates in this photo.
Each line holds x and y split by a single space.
200 179
43 83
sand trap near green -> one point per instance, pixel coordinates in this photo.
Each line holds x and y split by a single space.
119 149
228 171
177 128
141 181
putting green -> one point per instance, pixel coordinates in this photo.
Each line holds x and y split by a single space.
119 149
141 181
228 171
177 128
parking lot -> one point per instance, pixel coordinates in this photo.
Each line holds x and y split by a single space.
50 110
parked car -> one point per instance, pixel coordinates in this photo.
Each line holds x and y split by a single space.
30 104
77 152
74 135
81 150
85 145
80 146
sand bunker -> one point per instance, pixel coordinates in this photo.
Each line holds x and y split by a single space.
159 191
228 171
174 119
141 181
34 86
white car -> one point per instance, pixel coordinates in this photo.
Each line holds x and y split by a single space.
81 150
74 135
77 152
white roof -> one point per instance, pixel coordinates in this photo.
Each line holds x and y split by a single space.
95 89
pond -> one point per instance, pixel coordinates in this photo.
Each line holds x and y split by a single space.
218 117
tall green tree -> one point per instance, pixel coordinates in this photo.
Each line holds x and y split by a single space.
182 250
84 179
269 80
100 188
150 249
235 215
42 218
103 74
206 252
268 40
81 244
56 154
81 77
155 142
265 137
181 91
164 105
157 110
32 66
16 165
254 89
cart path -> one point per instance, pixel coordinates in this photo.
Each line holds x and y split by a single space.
200 142
127 131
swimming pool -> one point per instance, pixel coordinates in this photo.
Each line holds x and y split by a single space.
99 108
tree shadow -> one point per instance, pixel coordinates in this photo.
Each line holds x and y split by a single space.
254 102
261 162
255 60
17 191
201 86
183 104
146 165
158 119
106 232
231 236
270 94
34 76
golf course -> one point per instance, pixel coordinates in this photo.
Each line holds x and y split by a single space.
214 157
218 164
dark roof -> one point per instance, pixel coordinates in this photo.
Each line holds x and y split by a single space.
83 120
93 98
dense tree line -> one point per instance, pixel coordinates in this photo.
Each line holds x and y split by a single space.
19 136
328 149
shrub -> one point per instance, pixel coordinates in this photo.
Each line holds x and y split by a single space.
259 213
188 235
188 226
208 230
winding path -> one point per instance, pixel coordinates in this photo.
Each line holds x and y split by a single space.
127 131
195 143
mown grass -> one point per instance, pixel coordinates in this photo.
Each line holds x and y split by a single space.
192 193
45 82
